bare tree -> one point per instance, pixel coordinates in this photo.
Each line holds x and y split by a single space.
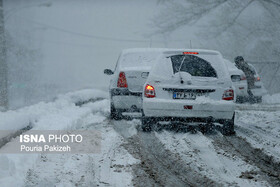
225 13
3 63
235 27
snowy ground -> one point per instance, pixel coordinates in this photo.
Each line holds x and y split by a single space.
262 130
130 157
111 166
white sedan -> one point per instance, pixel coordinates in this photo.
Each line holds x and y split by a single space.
239 81
128 78
189 86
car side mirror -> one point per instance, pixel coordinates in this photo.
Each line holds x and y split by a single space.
108 72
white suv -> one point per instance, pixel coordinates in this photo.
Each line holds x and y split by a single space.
128 78
189 86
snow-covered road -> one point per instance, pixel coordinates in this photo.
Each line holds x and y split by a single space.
130 157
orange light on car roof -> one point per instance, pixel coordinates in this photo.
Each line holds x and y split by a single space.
190 53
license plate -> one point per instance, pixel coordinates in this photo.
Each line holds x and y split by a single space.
184 95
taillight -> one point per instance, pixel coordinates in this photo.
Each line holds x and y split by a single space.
149 91
122 83
228 95
257 79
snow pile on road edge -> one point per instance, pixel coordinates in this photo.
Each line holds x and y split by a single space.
60 115
20 118
272 99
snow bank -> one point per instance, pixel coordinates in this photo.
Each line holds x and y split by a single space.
112 166
272 99
60 114
51 115
83 95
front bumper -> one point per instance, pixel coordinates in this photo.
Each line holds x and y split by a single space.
163 108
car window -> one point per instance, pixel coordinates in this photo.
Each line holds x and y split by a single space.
193 65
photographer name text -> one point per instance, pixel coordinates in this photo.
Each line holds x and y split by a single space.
43 140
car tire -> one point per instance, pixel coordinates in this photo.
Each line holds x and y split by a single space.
115 114
228 127
147 124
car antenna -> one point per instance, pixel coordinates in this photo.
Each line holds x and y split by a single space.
191 44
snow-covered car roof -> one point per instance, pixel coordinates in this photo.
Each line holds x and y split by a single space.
167 50
143 50
145 58
199 51
135 58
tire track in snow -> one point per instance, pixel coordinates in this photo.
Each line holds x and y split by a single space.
269 169
112 167
259 138
159 163
198 151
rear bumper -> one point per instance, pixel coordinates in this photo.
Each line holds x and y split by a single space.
220 110
241 90
126 100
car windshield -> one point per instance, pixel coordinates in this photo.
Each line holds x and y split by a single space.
193 65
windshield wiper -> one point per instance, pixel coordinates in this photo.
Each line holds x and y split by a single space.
182 81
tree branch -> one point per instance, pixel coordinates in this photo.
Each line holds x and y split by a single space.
273 2
231 23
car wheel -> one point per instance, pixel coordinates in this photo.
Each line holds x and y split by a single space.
228 127
115 114
147 124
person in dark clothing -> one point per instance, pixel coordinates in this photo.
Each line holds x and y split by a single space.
242 65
